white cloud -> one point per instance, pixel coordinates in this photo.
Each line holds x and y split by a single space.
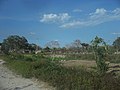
98 13
50 18
99 16
32 33
77 10
116 11
72 24
116 33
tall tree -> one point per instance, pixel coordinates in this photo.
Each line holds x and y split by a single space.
74 45
77 43
14 43
53 44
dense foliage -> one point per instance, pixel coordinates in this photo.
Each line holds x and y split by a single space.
17 44
14 43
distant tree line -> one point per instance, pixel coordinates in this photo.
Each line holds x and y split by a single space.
19 44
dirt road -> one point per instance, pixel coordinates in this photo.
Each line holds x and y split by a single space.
10 81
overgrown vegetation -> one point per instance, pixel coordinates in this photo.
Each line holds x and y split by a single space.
47 68
73 78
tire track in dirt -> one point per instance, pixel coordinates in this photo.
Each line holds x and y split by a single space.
10 81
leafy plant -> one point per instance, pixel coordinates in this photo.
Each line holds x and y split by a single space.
100 51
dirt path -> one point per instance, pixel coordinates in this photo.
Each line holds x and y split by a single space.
9 81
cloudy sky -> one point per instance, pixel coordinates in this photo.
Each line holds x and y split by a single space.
41 21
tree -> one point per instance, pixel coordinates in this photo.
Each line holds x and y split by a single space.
53 44
100 51
14 43
116 44
76 44
85 46
47 49
32 47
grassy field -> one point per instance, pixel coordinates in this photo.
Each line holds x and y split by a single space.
59 76
113 58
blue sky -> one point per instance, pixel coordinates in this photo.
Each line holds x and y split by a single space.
41 21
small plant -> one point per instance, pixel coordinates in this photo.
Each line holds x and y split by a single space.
100 52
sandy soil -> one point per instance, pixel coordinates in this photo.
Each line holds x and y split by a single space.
10 81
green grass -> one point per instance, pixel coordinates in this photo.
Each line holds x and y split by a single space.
20 67
72 57
61 77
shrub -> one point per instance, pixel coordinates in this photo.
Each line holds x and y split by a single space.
100 51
